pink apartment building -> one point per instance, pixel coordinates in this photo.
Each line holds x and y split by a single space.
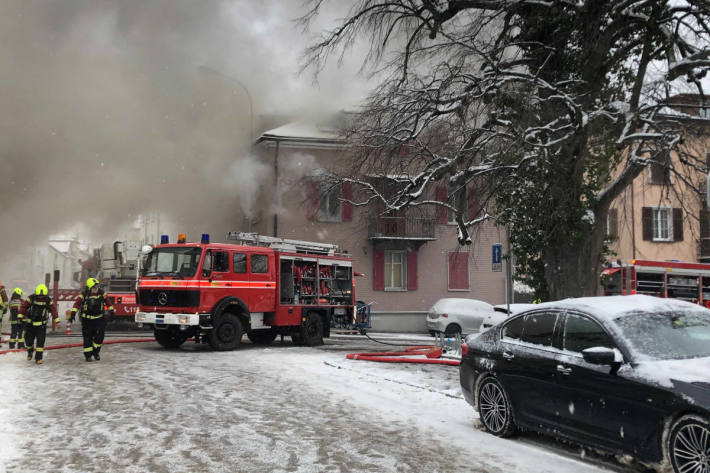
409 261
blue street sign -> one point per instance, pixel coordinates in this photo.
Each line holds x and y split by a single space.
497 257
497 253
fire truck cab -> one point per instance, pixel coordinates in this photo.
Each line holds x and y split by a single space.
263 286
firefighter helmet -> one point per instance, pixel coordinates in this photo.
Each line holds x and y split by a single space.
41 290
17 291
91 282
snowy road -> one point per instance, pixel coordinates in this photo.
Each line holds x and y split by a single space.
280 409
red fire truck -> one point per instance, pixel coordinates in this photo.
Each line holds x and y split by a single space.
263 286
687 281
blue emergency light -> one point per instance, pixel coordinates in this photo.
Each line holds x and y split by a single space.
205 238
164 239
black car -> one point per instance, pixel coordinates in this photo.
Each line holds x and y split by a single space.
625 374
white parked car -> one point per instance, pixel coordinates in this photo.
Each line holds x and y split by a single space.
453 316
500 313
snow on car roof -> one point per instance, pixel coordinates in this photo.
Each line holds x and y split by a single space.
611 307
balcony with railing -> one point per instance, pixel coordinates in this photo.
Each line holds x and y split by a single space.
401 228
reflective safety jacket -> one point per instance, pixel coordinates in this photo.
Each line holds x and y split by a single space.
3 299
92 305
36 310
15 304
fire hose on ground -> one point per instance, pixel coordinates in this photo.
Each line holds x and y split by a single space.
76 345
432 356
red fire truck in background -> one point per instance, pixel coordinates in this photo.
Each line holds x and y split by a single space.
116 266
687 281
263 286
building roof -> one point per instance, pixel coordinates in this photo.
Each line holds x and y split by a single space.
321 132
60 246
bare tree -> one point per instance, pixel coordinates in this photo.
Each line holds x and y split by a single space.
548 108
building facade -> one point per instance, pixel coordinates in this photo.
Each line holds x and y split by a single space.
663 215
408 260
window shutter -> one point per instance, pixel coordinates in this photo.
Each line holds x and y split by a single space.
441 212
378 270
677 224
458 270
412 283
613 223
647 223
705 223
313 199
346 208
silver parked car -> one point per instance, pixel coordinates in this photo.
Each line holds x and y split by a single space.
501 313
454 315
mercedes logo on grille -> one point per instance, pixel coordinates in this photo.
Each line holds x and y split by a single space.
162 298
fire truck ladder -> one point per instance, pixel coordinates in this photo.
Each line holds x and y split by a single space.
284 244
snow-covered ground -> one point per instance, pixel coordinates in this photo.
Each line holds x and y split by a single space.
280 409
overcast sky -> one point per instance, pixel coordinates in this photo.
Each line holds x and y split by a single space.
105 110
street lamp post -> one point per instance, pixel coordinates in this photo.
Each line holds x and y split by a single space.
244 88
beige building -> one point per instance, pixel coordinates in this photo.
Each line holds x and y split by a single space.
663 216
409 261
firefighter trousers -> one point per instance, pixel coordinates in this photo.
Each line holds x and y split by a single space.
16 329
35 336
93 332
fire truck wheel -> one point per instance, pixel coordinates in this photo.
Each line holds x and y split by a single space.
169 339
312 330
226 333
262 337
297 339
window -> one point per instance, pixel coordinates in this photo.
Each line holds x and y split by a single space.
458 271
259 264
207 264
582 333
395 270
239 263
660 171
329 203
513 330
538 328
457 199
662 224
221 261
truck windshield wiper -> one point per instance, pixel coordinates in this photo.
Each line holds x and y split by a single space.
176 274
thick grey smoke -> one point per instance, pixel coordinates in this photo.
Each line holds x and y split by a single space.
105 112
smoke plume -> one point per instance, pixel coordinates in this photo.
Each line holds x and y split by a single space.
107 111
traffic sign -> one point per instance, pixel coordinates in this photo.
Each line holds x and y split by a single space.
497 258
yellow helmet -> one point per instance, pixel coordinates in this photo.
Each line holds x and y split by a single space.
41 290
91 282
17 291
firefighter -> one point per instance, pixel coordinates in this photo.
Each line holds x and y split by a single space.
16 325
91 305
3 303
34 312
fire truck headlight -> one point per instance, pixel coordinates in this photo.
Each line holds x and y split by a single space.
140 317
184 319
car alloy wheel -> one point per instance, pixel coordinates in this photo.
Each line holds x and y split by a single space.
690 446
494 408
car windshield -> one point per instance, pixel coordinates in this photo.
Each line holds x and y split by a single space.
668 335
175 261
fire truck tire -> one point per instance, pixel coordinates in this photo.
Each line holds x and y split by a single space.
169 339
226 333
297 339
312 330
262 337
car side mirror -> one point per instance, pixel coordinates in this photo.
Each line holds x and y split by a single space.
600 356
